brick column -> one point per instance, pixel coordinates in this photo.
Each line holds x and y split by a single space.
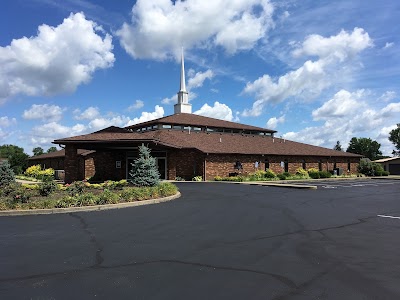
71 163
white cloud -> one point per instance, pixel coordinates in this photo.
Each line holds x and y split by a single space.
388 45
44 112
57 60
147 116
137 105
273 122
341 105
159 28
6 121
171 100
88 114
348 115
341 46
195 80
387 96
46 133
312 77
218 111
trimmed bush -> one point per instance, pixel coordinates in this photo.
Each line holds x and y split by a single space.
324 174
287 174
197 178
269 174
313 175
282 176
33 171
301 172
385 173
6 174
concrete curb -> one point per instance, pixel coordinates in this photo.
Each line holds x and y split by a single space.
86 208
264 183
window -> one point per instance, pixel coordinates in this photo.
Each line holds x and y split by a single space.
177 127
348 166
319 165
303 164
166 126
286 165
196 128
266 164
334 164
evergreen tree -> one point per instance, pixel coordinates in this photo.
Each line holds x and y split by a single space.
6 174
338 146
144 169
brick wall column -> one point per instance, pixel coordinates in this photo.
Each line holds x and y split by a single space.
71 163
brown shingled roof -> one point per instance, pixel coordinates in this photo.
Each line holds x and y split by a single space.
196 120
59 153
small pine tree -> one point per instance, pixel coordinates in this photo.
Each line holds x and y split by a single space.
6 174
144 169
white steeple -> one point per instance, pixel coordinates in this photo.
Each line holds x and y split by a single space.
183 105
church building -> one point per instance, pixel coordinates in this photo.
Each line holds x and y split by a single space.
187 145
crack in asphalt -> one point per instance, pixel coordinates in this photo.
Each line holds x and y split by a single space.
99 249
319 230
288 282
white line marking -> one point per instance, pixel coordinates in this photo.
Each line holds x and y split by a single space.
391 217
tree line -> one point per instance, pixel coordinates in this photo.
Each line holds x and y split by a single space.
17 158
370 148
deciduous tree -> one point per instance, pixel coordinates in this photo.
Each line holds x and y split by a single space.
394 137
365 147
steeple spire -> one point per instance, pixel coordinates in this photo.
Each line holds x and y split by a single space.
183 84
183 105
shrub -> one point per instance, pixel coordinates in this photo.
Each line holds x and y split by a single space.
218 178
385 173
301 172
30 186
19 194
369 168
269 174
324 174
178 178
167 189
107 197
258 175
6 174
287 174
86 199
33 171
47 187
313 174
197 178
282 176
65 202
75 188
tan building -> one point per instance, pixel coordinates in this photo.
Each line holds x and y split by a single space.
391 164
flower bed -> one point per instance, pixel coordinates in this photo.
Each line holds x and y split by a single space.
80 193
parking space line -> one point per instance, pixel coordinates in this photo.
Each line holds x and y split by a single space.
391 217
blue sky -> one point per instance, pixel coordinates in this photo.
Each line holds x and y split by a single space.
315 71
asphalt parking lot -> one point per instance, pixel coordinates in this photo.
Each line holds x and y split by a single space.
218 241
348 183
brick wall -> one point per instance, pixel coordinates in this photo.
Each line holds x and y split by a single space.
222 165
102 165
184 163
